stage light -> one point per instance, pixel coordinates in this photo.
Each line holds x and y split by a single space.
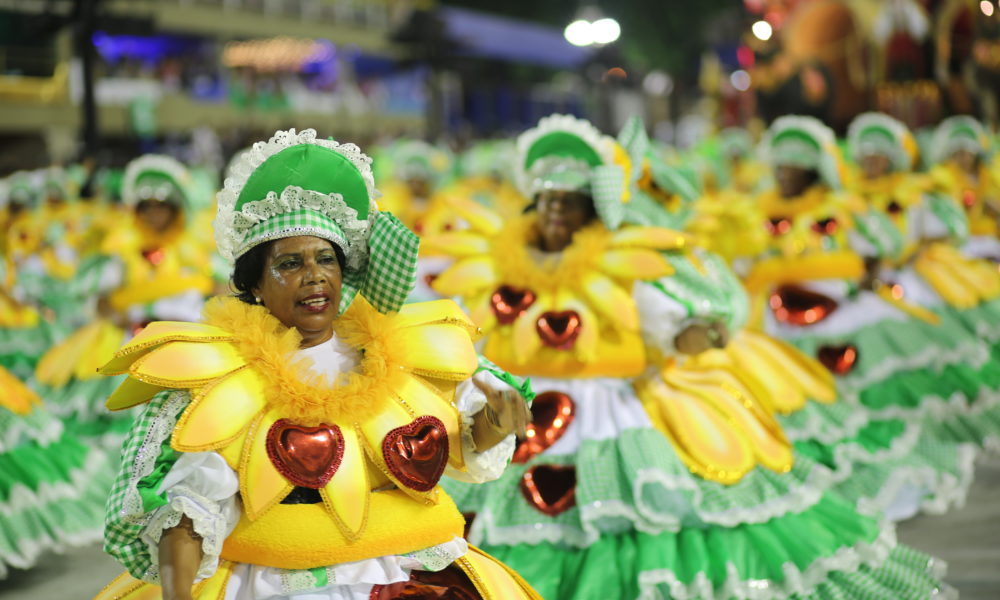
740 80
987 7
579 33
762 30
605 31
658 83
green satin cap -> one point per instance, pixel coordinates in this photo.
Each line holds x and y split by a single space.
309 167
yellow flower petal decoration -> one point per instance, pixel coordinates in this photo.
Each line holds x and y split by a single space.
466 277
261 485
186 364
631 264
132 392
611 300
347 493
478 216
219 412
458 244
655 238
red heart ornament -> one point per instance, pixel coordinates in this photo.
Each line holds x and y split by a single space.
841 360
778 226
417 453
550 488
154 256
559 329
448 584
430 278
551 414
826 226
305 456
510 302
799 306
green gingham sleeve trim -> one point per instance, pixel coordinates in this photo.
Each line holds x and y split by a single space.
951 214
133 496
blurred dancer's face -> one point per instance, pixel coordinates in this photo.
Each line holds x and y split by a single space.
967 161
156 215
560 215
875 166
300 286
792 181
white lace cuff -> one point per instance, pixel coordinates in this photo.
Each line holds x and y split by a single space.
661 318
201 486
479 466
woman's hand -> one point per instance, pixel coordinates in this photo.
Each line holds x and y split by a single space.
699 337
180 556
505 413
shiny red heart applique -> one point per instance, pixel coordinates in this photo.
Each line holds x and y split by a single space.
559 329
551 414
799 306
968 198
417 454
841 360
778 226
430 278
306 456
825 226
154 256
510 302
448 584
550 488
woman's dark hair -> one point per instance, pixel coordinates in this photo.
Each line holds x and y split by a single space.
249 268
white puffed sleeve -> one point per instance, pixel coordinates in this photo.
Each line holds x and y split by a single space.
925 224
201 486
661 317
479 466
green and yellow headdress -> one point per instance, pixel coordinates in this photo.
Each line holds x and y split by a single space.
677 181
874 133
23 187
960 132
295 184
807 143
569 154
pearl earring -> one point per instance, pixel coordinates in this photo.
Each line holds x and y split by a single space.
257 298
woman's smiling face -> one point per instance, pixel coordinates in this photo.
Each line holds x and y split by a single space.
300 286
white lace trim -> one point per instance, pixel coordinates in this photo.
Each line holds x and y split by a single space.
483 466
152 162
225 236
938 408
943 145
901 161
24 429
354 244
846 559
929 358
208 520
600 143
819 429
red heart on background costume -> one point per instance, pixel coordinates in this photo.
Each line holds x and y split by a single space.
448 584
839 359
417 453
799 306
559 329
154 256
306 456
550 488
826 226
510 302
551 414
778 226
430 278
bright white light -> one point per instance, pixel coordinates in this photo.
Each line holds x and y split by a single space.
762 30
658 83
740 80
987 7
605 30
579 33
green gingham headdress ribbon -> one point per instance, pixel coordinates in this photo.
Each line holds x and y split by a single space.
295 184
24 188
807 143
735 141
960 132
674 180
874 133
565 153
157 177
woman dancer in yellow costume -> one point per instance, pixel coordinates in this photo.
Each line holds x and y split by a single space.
293 442
652 468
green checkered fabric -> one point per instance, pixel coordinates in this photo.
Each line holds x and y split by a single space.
297 222
133 495
607 183
392 266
